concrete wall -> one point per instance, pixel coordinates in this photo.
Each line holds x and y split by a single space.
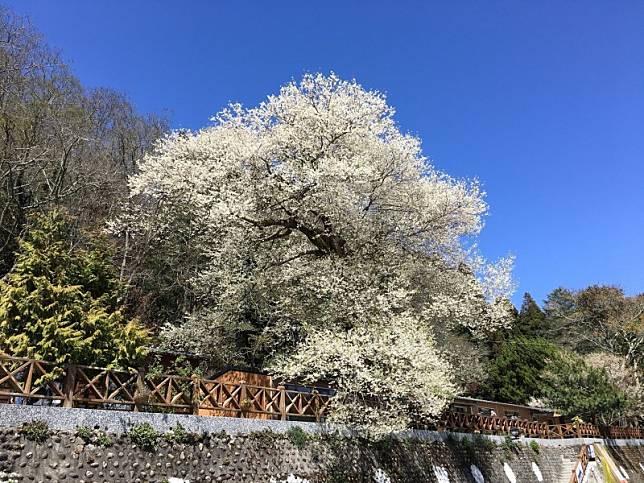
231 449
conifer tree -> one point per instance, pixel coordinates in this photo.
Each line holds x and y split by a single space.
60 303
516 374
531 319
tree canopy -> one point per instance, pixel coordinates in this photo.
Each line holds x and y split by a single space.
313 211
517 373
60 302
577 389
62 145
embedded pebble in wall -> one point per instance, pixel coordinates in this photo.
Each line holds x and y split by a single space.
441 474
509 473
476 474
537 471
380 476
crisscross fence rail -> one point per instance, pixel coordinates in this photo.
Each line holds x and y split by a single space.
477 423
28 381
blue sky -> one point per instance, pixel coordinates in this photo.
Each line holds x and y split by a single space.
542 101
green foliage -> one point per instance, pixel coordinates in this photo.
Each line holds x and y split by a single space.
266 436
534 446
297 436
178 434
509 446
37 430
84 433
104 440
516 374
483 442
144 436
468 447
466 443
579 390
180 366
60 302
97 437
531 321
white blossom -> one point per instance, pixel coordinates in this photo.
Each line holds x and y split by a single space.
388 374
322 227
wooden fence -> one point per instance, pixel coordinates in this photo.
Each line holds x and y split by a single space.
28 381
582 459
473 423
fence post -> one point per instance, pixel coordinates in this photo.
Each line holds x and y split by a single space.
68 386
140 391
195 394
282 391
243 399
316 405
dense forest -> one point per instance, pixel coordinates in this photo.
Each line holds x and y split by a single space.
307 236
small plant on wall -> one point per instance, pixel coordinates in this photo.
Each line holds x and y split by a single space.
144 436
297 436
97 437
37 431
534 446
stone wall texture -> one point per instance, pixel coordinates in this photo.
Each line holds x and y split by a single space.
261 453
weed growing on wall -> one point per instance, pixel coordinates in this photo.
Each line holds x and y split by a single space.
297 436
483 443
509 447
178 434
144 436
266 436
84 433
97 437
37 430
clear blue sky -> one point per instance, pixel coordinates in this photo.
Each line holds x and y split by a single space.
542 101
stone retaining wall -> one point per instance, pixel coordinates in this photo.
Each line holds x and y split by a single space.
237 450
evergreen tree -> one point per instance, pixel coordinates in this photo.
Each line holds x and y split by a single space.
531 321
577 389
516 373
61 303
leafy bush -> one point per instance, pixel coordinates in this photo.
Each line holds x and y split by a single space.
534 446
103 439
84 433
509 446
482 442
144 436
178 434
297 436
37 430
94 436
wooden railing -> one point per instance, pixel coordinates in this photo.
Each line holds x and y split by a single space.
27 381
582 459
472 423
